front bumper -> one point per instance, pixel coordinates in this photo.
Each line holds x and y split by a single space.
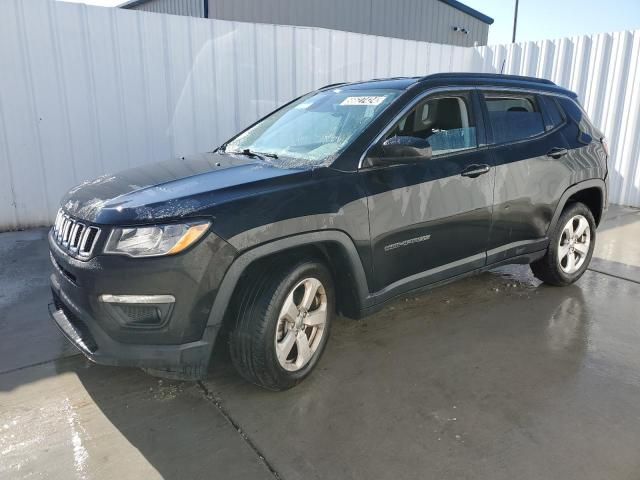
180 347
184 361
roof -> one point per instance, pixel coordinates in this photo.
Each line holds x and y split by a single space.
469 11
452 3
131 3
462 78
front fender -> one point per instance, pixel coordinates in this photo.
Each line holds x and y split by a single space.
316 238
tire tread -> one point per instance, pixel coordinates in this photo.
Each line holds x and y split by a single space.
255 305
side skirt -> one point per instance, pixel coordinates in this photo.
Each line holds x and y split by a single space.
400 292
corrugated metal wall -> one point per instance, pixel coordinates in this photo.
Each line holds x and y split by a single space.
87 90
604 70
90 90
425 20
191 8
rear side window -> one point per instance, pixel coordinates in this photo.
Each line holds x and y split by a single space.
554 115
514 117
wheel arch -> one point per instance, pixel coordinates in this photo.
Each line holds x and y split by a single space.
589 192
333 247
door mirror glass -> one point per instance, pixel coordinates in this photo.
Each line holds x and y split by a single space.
404 149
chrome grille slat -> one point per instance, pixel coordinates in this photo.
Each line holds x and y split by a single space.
63 220
83 240
76 232
58 224
66 232
90 240
73 236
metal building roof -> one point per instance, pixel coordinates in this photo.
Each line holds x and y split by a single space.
131 3
452 3
469 11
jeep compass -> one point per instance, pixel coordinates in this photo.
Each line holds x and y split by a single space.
337 202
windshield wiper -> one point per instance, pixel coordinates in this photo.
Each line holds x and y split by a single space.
252 154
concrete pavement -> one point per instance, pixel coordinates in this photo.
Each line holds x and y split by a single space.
492 377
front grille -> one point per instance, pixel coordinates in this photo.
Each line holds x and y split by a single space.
74 236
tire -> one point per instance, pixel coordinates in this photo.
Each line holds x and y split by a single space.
555 268
263 322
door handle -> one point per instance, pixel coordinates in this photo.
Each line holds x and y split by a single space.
557 152
475 170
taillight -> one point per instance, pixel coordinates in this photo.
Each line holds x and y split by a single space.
605 145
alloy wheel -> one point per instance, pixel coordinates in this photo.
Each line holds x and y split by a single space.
301 324
574 243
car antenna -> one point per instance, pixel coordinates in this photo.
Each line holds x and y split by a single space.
502 68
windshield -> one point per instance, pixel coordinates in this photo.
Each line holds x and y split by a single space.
314 129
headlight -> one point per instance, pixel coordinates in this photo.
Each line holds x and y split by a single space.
156 240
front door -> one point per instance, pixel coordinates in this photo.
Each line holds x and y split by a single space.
430 220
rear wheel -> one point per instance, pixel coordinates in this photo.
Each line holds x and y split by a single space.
283 322
570 249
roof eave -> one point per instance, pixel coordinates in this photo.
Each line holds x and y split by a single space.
131 3
469 11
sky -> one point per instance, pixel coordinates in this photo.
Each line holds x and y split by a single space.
539 19
549 19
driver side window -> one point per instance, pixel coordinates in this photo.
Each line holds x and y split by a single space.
445 122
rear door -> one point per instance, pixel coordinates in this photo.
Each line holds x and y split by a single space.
430 220
528 149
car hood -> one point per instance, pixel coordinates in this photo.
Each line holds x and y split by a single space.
174 189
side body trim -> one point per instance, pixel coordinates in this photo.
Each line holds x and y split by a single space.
521 259
428 277
516 249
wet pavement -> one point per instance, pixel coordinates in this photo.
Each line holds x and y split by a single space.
493 377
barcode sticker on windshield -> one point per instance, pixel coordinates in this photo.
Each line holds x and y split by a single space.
363 101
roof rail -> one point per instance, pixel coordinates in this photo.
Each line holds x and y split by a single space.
488 76
332 85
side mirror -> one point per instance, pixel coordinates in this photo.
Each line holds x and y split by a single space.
400 149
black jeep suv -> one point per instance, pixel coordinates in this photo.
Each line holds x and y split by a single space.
339 201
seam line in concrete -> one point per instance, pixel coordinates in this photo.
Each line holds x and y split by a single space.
217 402
37 364
614 275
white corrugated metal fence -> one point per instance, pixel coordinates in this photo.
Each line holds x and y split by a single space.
87 90
604 70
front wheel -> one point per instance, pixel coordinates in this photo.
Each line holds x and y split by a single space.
570 248
283 322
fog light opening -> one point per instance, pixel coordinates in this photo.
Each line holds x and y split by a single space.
138 311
